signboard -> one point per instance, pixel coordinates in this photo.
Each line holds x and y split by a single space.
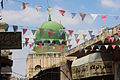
10 40
92 69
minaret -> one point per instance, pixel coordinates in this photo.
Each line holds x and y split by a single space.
49 19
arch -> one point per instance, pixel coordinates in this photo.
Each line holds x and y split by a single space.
37 67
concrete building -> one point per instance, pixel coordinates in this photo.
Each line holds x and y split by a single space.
5 60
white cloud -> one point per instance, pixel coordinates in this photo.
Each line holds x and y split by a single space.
28 16
111 3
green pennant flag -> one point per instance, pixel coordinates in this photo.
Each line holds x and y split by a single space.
76 36
33 31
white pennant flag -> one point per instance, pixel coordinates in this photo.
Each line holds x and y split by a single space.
106 46
94 16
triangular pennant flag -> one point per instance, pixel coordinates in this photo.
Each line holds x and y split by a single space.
116 17
118 32
66 49
59 49
69 40
60 41
94 16
80 32
80 50
26 39
48 48
86 50
112 39
110 31
76 36
26 43
99 46
62 45
104 17
42 40
92 46
40 44
41 32
108 37
24 31
84 46
69 46
82 15
61 31
2 4
30 45
90 32
116 37
38 7
113 46
49 9
70 32
77 40
62 12
119 46
51 40
73 15
24 5
58 35
34 40
53 47
106 46
67 36
92 36
84 36
33 31
15 28
49 33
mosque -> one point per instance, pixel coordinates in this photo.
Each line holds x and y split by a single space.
51 46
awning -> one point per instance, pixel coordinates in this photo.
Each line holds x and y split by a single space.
94 57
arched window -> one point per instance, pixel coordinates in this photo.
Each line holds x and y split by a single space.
37 67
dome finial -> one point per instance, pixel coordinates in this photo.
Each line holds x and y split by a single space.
49 10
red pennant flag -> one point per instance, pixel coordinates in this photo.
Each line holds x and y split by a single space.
112 39
104 17
26 39
62 12
118 32
113 46
49 33
59 49
30 45
70 32
77 40
24 31
40 44
63 45
108 37
24 5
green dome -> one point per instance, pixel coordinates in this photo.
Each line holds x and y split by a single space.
47 26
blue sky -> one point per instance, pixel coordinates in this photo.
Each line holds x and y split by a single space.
13 14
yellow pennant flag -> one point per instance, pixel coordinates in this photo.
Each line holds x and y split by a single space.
38 7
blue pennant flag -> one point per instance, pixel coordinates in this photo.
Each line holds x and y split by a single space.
99 46
73 15
92 36
66 49
34 40
61 31
90 32
42 40
59 35
48 47
80 50
15 28
33 31
69 46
